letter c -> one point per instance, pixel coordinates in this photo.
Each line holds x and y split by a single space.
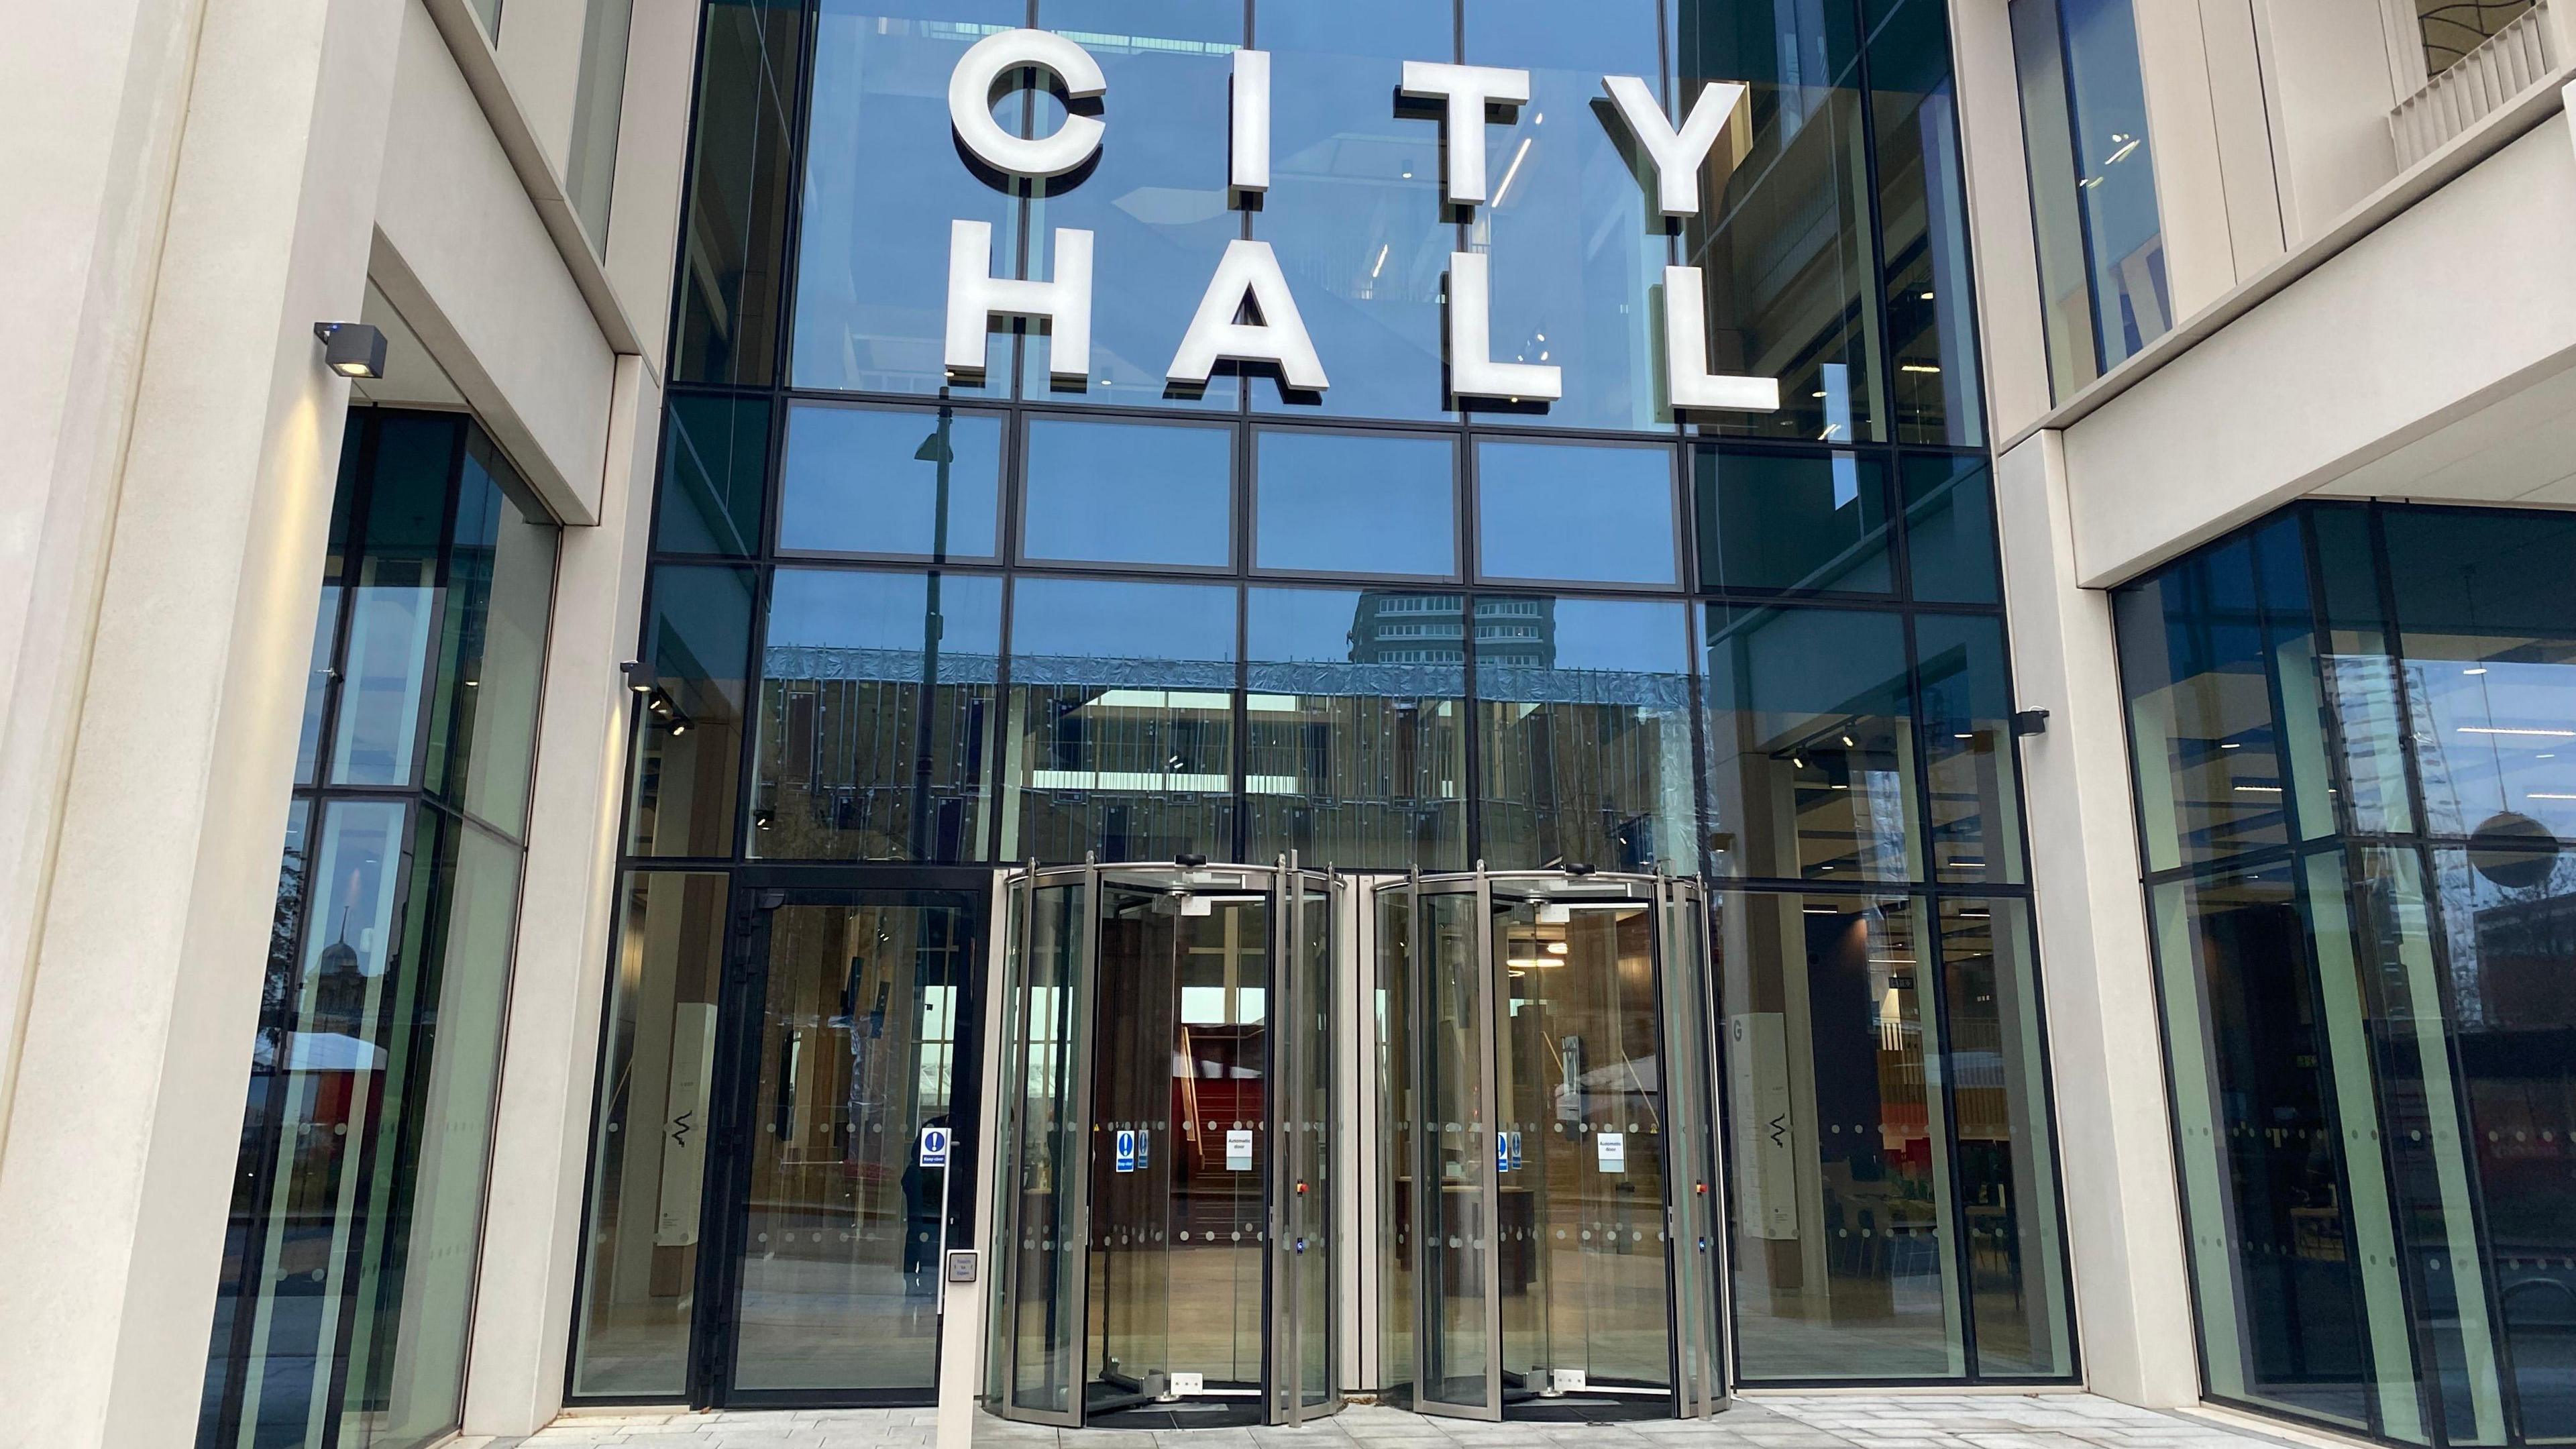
970 102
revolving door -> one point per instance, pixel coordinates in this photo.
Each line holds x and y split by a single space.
1549 1198
1163 1236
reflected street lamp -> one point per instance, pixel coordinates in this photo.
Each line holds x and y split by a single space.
935 450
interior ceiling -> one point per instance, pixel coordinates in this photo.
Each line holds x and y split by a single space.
412 378
2518 449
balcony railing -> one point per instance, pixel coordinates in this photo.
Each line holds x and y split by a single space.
2503 66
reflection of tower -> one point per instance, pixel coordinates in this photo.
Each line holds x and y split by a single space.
1408 629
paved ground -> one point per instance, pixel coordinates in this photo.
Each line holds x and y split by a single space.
1843 1421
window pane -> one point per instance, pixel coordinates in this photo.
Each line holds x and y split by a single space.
1968 748
1950 530
688 746
1583 710
1782 237
2206 648
1578 248
1923 213
739 173
1154 201
1122 720
500 595
1129 493
640 1260
890 481
1357 749
1353 504
1562 512
1773 522
1353 210
1810 745
394 601
872 273
876 715
1841 1154
2489 642
2007 1147
715 457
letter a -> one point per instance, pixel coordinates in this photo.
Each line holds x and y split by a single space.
1249 270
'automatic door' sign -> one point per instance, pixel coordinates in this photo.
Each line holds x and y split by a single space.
1248 283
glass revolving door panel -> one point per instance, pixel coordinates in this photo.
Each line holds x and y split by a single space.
1169 1094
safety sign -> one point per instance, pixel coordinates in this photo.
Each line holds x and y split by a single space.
1238 1149
1611 1149
934 1146
1126 1149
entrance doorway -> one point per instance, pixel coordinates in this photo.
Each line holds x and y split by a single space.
850 1028
1164 1150
1551 1212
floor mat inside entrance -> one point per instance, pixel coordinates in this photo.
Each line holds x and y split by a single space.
1223 1413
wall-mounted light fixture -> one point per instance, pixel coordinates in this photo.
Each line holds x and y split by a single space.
2030 722
636 677
353 349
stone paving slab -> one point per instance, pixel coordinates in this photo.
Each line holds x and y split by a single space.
1802 1421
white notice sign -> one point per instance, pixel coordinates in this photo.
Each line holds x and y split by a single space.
1238 1150
1612 1150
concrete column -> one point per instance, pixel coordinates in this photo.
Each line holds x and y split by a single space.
2133 1308
143 983
541 1135
2009 329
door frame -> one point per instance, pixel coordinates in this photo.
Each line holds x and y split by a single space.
741 1001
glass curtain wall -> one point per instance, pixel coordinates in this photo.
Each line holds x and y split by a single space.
347 1283
902 621
2355 734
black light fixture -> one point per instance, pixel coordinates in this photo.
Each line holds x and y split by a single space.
353 349
2030 722
636 678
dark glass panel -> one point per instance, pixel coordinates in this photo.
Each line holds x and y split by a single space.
1843 1220
1354 504
1950 529
1577 243
1783 236
2292 1247
688 746
492 651
1769 521
733 240
1810 745
1121 732
883 179
1154 202
1353 210
2508 918
394 597
1357 729
319 682
2489 647
715 460
1141 493
1968 760
877 708
2007 1149
1923 223
2360 673
1583 712
891 481
647 1179
2217 653
1575 514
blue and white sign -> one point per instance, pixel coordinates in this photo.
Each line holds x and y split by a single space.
934 1147
1502 1152
1144 1148
1126 1150
1515 1139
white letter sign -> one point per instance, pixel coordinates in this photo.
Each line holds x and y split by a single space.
975 296
970 102
1687 379
1249 269
1472 369
1468 89
1677 155
1248 155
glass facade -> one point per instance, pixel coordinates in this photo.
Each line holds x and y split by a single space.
916 624
348 1274
2103 292
2356 773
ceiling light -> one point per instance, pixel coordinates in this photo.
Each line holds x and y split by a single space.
2230 745
352 349
2517 730
1558 948
1848 744
2479 669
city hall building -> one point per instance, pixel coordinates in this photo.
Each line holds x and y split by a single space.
1135 714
